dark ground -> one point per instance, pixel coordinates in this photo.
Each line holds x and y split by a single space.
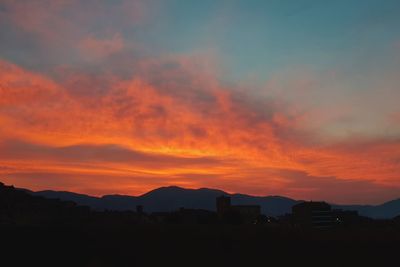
35 231
198 245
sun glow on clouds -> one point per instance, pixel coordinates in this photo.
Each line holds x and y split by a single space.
135 130
128 124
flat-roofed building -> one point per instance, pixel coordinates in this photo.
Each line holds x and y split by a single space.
313 214
237 213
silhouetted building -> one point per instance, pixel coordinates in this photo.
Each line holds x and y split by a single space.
223 204
313 214
237 213
346 217
139 209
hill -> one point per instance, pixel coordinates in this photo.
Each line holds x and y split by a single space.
172 198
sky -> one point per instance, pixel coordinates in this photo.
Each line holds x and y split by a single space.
291 98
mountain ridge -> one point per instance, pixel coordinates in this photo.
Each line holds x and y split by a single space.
171 198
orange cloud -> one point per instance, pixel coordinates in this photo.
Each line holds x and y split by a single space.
172 123
18 87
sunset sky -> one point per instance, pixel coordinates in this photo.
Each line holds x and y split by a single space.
269 97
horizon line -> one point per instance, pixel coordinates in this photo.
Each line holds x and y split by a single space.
196 189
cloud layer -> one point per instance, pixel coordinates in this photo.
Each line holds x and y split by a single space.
103 114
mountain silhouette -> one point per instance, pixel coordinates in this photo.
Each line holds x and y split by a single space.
172 198
386 210
18 207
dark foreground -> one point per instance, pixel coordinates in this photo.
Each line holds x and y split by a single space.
35 231
198 245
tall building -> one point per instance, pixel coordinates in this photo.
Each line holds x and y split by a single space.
237 213
313 214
